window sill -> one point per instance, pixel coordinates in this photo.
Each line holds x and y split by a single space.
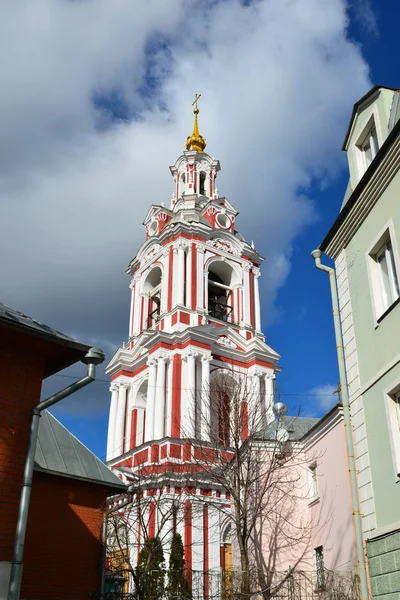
314 501
387 311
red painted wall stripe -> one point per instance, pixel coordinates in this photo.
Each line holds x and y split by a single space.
205 552
176 396
152 520
188 542
194 276
244 421
134 415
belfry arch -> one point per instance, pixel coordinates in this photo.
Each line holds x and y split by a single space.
152 294
221 281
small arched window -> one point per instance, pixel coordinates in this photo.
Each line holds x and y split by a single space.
202 184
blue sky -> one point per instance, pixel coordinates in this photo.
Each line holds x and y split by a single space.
97 109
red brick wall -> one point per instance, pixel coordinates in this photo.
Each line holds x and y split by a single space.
63 549
21 372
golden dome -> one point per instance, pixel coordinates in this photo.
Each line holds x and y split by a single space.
196 141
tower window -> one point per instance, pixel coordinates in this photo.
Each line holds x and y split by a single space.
218 296
152 289
202 184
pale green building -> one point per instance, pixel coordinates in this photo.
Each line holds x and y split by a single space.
364 242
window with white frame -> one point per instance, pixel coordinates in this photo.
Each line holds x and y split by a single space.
369 146
394 426
313 483
384 276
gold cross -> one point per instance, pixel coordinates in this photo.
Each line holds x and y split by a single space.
196 99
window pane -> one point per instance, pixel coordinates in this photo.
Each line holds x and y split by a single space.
368 153
386 294
394 282
374 142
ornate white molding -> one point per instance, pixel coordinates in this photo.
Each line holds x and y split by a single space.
224 245
256 272
114 387
225 341
246 266
150 254
189 352
163 354
206 357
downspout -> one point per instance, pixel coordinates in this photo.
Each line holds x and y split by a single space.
316 254
92 358
132 489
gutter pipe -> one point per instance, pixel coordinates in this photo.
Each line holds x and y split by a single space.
132 489
364 587
94 357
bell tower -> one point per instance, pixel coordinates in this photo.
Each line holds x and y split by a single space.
194 312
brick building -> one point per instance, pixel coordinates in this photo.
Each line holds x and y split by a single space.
63 547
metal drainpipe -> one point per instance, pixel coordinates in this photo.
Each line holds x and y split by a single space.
316 254
94 357
132 489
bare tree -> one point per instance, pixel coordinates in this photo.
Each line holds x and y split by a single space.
141 529
252 458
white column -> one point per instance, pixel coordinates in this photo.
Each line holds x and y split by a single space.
164 282
151 396
255 403
160 399
180 276
128 419
145 310
189 277
168 403
112 420
120 420
136 308
191 403
132 288
269 396
257 310
205 423
200 277
246 293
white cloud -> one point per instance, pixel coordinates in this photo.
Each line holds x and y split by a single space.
278 80
319 400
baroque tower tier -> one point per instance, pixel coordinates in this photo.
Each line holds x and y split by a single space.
194 314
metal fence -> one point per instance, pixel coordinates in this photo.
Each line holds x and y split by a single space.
277 585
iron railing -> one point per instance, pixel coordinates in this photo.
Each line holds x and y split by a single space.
262 585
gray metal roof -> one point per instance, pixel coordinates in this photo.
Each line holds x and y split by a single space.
11 316
60 453
297 427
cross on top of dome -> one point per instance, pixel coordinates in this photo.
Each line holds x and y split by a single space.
196 141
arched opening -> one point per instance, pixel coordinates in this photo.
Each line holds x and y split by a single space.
182 184
152 290
220 282
202 184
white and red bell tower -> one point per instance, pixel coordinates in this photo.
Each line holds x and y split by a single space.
195 312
